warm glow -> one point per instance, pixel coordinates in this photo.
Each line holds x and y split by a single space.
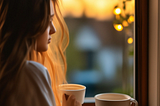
131 19
118 27
103 9
125 23
97 9
90 8
130 7
130 40
117 11
118 17
73 8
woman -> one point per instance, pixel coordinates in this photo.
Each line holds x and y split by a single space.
26 27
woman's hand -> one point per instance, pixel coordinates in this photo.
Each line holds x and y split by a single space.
70 101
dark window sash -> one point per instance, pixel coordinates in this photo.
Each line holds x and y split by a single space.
141 56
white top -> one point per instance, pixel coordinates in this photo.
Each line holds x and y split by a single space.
34 87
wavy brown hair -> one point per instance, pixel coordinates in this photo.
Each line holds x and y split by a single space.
21 22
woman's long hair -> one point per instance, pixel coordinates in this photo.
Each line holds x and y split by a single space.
21 22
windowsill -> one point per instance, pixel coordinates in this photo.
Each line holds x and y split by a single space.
89 100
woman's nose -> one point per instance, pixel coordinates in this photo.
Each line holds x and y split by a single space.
52 29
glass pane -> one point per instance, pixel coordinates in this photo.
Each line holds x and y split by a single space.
100 54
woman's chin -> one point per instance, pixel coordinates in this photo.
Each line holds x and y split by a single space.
42 49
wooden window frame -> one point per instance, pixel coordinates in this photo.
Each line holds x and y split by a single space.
141 56
141 52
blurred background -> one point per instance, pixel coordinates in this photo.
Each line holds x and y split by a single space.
100 54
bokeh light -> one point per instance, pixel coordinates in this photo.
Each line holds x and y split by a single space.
118 27
130 40
117 11
131 19
125 23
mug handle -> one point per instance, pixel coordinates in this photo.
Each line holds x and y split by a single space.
133 102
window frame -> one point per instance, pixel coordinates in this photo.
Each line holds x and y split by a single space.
158 75
154 53
141 53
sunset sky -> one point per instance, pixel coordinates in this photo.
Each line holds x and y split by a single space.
98 9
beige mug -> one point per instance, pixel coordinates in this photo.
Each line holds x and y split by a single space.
114 99
74 89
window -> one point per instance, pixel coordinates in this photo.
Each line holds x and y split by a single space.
141 48
101 51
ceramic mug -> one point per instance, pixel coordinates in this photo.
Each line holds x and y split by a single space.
74 89
114 99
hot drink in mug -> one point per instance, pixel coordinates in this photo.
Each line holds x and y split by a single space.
114 99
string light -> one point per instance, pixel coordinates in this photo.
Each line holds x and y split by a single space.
131 19
130 40
117 11
118 27
125 23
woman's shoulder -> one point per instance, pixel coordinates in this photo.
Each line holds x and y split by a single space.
33 64
34 67
34 82
35 70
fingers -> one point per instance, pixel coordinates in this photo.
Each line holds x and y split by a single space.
76 103
66 96
63 97
71 101
71 98
64 101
